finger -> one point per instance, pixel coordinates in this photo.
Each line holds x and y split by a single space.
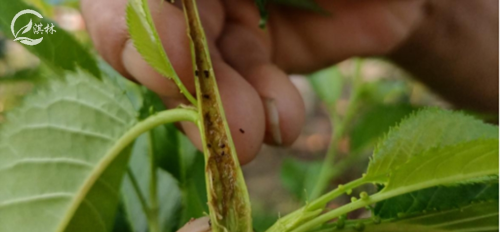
197 225
243 107
247 48
244 113
105 22
305 41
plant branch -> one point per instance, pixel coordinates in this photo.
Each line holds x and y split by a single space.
341 189
339 124
227 194
321 219
313 209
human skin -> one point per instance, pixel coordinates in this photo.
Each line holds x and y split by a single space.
451 45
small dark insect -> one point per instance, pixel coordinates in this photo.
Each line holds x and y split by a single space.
206 96
196 73
223 153
209 145
209 223
222 145
242 131
207 74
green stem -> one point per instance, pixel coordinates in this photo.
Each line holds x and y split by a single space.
323 200
296 218
360 203
153 220
339 126
164 117
326 173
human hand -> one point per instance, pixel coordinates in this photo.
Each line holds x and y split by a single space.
251 63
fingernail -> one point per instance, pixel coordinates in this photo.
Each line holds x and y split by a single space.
198 225
272 115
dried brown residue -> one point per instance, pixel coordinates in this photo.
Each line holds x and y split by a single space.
221 168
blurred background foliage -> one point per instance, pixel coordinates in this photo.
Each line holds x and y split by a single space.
279 179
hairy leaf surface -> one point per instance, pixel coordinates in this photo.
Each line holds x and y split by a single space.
444 166
429 128
56 169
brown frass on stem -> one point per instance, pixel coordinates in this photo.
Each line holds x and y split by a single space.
229 205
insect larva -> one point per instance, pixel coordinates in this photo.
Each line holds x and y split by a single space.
207 74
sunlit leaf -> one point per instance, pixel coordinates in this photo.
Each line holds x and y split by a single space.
446 165
426 129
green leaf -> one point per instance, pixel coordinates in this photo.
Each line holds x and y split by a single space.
146 39
121 222
429 128
165 138
194 191
375 122
328 84
474 217
169 194
175 154
148 44
57 160
299 177
446 165
436 198
59 50
385 91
